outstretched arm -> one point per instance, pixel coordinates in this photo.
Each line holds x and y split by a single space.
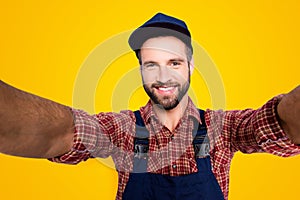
31 126
288 111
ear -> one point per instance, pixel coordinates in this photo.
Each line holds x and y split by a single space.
192 65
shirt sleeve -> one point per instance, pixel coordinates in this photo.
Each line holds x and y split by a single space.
95 136
251 131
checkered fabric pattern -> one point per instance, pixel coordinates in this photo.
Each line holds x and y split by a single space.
171 152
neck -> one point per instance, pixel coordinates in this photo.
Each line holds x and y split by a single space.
170 118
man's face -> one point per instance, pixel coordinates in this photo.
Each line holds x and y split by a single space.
165 70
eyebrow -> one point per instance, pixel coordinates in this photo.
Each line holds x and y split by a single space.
149 62
177 59
171 60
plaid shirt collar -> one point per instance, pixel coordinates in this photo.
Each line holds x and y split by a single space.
191 112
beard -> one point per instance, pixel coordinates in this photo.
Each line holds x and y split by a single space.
167 102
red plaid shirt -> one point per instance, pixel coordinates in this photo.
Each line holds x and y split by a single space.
171 152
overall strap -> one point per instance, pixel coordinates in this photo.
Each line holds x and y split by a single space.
138 118
201 141
202 117
141 145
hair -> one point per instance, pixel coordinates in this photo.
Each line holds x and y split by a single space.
188 50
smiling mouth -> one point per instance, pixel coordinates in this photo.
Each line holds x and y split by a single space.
165 90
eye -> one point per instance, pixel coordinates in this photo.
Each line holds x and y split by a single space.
150 66
175 64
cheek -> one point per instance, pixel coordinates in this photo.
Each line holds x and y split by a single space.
148 78
182 75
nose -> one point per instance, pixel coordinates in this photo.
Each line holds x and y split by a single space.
165 74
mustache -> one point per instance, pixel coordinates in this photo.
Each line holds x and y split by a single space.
167 84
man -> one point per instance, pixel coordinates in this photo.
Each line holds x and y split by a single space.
167 150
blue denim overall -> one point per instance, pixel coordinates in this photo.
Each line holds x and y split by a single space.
201 185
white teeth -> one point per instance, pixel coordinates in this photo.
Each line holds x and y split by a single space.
165 88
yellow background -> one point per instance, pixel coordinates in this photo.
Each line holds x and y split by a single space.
255 46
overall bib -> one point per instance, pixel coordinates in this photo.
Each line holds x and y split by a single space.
201 185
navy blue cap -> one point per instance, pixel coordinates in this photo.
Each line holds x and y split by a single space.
160 25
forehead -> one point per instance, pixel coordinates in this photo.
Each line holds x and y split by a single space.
163 47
